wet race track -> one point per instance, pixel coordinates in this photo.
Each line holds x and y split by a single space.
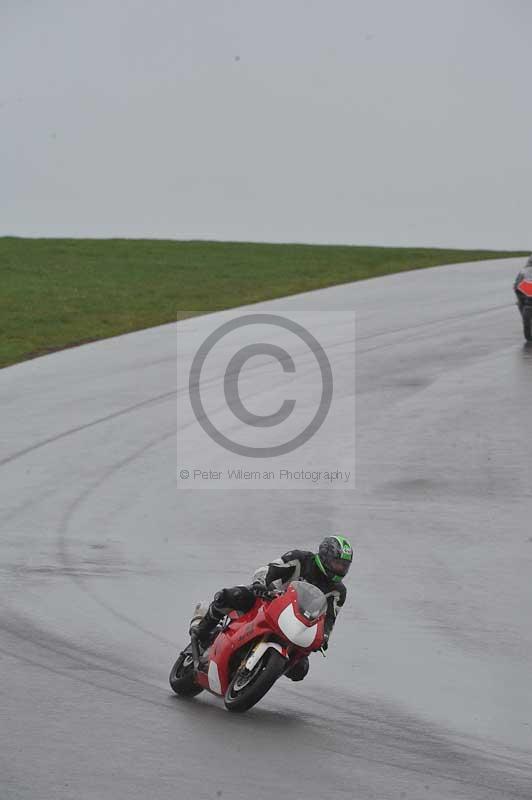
426 691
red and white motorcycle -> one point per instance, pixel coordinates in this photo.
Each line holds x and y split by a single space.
252 650
523 291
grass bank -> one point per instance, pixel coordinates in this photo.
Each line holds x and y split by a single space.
55 293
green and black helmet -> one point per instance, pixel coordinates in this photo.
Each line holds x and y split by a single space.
334 557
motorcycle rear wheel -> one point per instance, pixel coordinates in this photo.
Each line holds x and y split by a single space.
182 678
245 691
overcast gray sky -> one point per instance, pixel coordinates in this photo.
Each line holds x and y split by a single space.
360 121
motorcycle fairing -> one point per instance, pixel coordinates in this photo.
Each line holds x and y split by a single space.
525 287
243 629
295 630
258 625
214 678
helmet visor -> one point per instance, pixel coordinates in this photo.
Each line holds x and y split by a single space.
339 566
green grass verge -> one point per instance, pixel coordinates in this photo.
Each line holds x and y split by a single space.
55 293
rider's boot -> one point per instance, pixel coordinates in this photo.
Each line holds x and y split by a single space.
299 670
203 627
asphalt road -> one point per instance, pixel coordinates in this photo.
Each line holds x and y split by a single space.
426 692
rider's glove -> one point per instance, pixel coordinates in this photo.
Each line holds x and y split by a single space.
260 589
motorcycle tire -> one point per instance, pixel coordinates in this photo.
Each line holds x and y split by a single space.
182 678
527 326
245 691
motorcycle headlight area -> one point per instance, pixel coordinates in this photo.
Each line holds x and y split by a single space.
296 631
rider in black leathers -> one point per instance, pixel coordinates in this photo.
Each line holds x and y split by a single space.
324 569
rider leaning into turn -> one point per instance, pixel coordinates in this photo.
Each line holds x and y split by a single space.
324 569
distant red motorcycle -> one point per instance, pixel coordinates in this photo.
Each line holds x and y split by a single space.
523 291
252 650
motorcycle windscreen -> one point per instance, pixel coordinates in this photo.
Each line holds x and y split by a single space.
311 601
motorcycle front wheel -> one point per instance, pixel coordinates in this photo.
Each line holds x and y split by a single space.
249 686
182 678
